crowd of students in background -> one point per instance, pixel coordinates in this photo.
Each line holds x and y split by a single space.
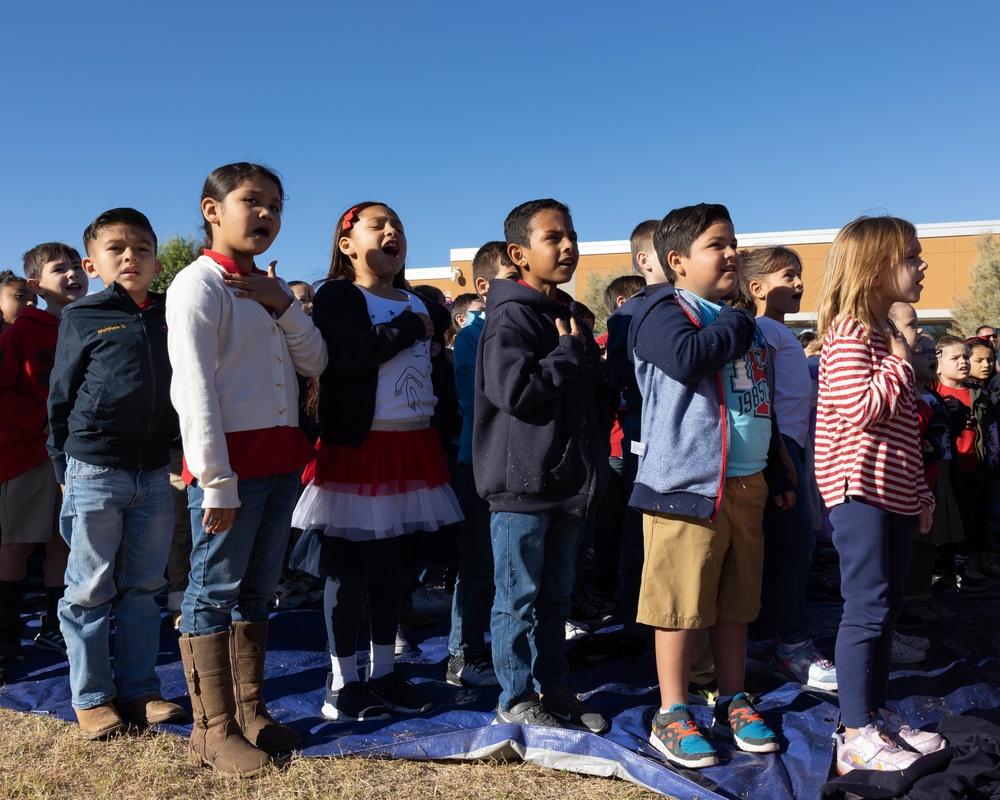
243 443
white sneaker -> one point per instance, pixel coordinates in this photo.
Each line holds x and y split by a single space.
916 642
807 666
574 631
922 742
871 749
904 654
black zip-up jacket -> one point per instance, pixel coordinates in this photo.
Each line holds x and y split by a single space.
540 440
109 394
346 406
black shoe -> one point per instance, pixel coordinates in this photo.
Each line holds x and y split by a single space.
353 702
398 694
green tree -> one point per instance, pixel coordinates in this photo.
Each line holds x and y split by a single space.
981 306
174 254
593 295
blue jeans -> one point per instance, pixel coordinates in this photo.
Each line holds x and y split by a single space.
789 542
470 605
234 573
118 524
874 547
535 565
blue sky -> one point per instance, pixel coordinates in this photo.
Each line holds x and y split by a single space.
795 115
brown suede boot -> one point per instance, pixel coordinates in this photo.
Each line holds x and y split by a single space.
249 643
215 736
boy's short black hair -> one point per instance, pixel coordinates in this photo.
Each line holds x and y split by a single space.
117 216
517 226
678 230
11 278
641 238
487 261
39 255
430 292
623 286
583 312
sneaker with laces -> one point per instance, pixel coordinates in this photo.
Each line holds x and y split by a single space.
289 594
922 742
760 652
353 702
397 694
916 642
403 643
871 749
904 654
939 608
564 704
746 727
676 735
475 671
527 712
575 631
703 694
432 599
920 609
50 637
589 611
805 665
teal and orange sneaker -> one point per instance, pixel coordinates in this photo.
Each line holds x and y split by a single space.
740 720
676 735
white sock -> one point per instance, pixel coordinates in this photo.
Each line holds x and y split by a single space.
788 649
383 659
345 671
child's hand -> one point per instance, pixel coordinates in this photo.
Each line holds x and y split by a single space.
428 324
898 344
573 330
217 520
785 500
925 520
265 289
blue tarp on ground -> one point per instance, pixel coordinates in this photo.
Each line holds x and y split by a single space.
960 676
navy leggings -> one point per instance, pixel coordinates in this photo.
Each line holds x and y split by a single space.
874 548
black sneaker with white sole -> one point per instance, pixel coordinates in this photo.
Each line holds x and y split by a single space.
528 712
474 671
398 694
563 704
353 702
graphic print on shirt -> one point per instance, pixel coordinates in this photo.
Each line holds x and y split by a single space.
748 382
411 379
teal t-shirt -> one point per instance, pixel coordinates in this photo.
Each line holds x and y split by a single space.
748 401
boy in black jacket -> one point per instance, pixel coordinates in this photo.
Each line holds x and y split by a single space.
540 450
111 426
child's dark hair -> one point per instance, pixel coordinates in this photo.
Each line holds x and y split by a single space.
517 226
460 305
340 262
678 230
758 263
583 312
623 286
117 216
640 240
487 261
431 292
39 255
226 179
10 278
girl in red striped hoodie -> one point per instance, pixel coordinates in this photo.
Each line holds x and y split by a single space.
870 474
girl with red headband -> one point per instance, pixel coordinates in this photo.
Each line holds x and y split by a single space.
380 472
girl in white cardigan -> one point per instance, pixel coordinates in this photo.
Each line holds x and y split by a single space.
236 340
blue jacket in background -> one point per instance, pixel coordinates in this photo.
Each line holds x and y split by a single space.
678 364
466 347
109 394
618 367
542 408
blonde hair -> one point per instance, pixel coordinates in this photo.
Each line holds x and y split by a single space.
861 250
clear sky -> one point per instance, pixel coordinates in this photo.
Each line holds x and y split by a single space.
796 115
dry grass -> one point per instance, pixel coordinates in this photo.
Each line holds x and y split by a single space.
43 758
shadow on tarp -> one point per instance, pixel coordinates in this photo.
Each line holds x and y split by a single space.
961 675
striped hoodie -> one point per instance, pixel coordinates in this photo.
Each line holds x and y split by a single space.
867 434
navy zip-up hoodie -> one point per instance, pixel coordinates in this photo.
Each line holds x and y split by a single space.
542 408
109 394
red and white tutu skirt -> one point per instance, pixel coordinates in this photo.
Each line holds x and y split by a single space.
395 483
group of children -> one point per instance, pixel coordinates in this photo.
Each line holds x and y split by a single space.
708 390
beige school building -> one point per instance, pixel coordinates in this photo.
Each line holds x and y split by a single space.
949 249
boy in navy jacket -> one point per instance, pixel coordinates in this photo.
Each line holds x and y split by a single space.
710 459
111 427
540 449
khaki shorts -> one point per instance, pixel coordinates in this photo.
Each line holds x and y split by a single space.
29 506
696 572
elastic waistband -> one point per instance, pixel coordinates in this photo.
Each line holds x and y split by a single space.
415 424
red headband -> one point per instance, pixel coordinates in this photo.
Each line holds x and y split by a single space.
348 217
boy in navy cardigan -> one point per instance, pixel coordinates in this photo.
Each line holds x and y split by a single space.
540 448
111 427
709 436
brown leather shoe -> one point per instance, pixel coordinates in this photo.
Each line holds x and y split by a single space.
151 708
98 722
